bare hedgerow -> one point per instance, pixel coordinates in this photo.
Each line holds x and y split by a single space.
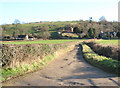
107 51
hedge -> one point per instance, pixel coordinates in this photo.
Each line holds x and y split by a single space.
107 51
107 64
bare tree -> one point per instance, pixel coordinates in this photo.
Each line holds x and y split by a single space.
102 18
16 21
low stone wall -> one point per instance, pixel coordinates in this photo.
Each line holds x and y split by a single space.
104 50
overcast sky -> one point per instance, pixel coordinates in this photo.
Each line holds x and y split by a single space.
57 10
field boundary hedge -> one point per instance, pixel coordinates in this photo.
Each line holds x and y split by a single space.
107 51
102 62
47 53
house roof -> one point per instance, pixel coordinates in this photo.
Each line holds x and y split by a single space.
21 36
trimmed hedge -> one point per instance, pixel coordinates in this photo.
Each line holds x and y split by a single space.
107 64
107 51
17 55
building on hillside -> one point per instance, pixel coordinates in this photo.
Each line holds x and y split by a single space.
30 37
71 29
101 35
6 37
26 37
21 37
113 34
107 34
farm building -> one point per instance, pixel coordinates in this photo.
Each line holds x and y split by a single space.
6 38
107 34
26 37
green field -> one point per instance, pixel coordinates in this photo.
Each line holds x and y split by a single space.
111 42
102 42
41 42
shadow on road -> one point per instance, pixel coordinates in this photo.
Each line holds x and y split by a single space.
88 72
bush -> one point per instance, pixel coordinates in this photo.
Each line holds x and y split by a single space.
77 30
91 33
43 33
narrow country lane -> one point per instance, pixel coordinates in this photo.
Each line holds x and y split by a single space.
69 69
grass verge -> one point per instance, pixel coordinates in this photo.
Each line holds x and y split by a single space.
107 64
11 73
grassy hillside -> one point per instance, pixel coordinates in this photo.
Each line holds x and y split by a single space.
27 28
86 29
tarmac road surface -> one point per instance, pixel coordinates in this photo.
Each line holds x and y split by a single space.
69 69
